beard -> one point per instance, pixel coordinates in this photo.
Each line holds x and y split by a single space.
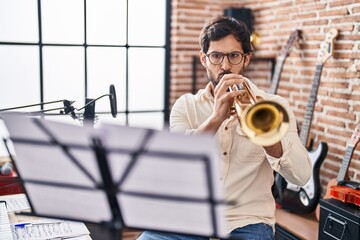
215 79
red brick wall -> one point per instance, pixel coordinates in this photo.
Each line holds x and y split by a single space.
337 110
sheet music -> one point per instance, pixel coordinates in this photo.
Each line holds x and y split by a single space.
5 230
172 177
48 229
15 202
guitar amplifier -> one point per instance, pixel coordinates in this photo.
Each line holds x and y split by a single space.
338 220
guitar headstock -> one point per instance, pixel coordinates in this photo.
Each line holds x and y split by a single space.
355 137
293 39
327 46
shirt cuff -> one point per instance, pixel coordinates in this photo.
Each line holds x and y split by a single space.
277 163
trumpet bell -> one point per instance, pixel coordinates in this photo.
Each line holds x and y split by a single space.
265 123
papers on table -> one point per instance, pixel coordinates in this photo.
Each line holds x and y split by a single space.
48 229
5 230
35 228
15 202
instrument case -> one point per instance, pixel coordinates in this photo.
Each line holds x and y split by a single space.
338 220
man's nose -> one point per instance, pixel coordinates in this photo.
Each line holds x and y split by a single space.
226 65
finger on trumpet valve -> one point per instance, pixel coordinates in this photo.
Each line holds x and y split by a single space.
242 92
240 86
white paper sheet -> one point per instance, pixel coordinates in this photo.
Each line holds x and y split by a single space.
5 229
15 202
48 229
167 181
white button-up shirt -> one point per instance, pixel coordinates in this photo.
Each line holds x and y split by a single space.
246 169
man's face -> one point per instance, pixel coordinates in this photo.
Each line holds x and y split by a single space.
225 45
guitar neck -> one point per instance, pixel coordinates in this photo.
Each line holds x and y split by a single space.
345 164
276 77
305 128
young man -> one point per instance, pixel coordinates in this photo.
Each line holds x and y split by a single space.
247 168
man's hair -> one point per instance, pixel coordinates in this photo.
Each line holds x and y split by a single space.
221 27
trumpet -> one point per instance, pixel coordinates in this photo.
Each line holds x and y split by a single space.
264 122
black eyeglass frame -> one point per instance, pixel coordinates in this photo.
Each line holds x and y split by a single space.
243 55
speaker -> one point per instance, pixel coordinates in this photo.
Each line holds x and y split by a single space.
243 14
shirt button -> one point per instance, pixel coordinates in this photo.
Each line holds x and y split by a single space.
226 128
225 153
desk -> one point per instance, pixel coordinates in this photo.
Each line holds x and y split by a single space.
304 226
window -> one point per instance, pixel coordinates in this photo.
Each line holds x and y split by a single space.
74 50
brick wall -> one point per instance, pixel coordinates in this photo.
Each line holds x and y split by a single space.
337 110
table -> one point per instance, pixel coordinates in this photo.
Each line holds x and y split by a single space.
303 226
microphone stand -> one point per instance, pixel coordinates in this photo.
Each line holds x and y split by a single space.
89 112
66 109
66 103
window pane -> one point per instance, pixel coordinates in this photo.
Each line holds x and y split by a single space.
18 21
147 22
19 76
64 119
4 133
147 120
63 21
146 78
64 74
106 65
108 118
106 22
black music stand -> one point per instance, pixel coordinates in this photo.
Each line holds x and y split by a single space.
119 177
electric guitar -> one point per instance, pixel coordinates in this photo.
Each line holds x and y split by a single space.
285 51
304 199
332 188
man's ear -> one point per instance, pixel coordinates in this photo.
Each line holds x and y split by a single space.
247 59
202 58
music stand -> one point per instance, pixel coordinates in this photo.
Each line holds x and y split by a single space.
119 176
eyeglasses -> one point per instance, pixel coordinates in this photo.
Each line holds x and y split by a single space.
216 58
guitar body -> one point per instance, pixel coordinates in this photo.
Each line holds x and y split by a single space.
303 199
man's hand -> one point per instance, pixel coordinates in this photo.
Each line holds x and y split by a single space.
223 98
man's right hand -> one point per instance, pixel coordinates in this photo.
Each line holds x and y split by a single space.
223 98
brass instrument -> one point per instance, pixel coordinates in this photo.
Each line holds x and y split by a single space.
263 122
